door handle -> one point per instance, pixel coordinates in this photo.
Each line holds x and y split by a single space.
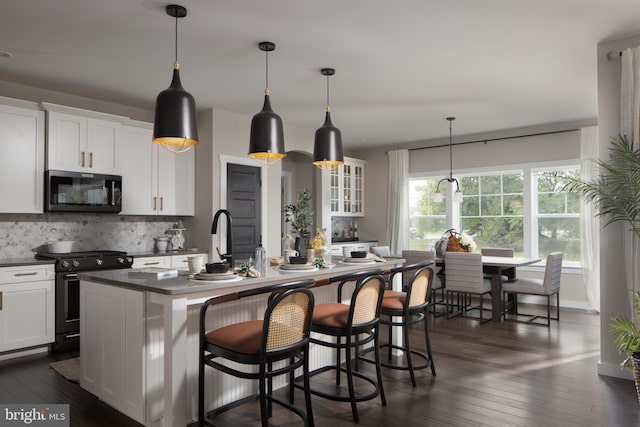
154 203
152 263
161 203
91 159
0 300
83 155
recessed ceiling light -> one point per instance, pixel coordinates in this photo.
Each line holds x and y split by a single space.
5 54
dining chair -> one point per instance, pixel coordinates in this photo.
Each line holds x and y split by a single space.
547 286
283 334
465 278
509 273
438 283
403 309
350 327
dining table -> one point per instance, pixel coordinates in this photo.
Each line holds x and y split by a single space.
498 267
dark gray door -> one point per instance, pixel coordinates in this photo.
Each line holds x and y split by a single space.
245 204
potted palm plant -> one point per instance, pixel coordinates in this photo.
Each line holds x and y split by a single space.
616 195
300 216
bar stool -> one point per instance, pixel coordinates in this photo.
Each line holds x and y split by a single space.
352 325
282 334
411 306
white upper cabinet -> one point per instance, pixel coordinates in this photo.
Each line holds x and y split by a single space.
347 188
82 141
154 181
21 157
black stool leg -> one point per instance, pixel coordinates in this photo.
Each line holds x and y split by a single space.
407 352
428 342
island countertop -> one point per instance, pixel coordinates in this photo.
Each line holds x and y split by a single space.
184 285
140 337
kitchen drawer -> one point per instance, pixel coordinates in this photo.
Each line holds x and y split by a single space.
27 273
152 261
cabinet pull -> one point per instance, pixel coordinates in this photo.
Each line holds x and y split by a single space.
91 159
0 300
152 263
161 203
25 274
154 203
82 158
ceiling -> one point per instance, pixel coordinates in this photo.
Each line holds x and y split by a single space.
401 66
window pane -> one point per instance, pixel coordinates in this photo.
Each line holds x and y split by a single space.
513 204
559 234
490 184
491 205
513 183
470 206
469 185
551 203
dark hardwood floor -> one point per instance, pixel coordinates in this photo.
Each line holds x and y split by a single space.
495 374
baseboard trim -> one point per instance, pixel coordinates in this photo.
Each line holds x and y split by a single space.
614 370
19 353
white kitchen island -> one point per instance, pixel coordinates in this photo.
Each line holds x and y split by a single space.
139 338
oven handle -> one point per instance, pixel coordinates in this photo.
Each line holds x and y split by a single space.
70 276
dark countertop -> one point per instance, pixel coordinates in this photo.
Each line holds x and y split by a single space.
13 262
183 285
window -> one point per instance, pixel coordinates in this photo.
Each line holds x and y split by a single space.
523 209
493 210
427 219
557 218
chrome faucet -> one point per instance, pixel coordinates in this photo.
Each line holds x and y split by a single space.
214 230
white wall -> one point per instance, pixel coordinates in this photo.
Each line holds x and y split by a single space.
613 295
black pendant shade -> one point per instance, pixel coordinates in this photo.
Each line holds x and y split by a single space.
327 147
266 141
175 126
175 118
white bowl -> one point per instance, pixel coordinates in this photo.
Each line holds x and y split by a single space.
60 246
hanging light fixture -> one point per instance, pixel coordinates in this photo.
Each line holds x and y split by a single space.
266 142
457 196
327 149
175 126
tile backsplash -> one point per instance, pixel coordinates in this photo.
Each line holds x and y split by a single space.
23 235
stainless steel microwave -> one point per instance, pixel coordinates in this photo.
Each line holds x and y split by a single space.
82 192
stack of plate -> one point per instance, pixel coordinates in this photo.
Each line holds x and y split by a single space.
298 267
351 260
229 276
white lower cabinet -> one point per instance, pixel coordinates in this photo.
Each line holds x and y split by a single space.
27 316
112 346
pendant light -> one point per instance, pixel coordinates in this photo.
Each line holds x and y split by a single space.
266 142
457 196
327 149
175 126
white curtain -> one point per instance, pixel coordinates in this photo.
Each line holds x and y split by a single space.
630 126
589 221
398 201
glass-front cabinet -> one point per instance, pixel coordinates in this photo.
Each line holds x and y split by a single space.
347 188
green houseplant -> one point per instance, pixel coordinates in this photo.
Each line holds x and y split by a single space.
616 195
300 216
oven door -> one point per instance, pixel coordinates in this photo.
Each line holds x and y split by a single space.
67 307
